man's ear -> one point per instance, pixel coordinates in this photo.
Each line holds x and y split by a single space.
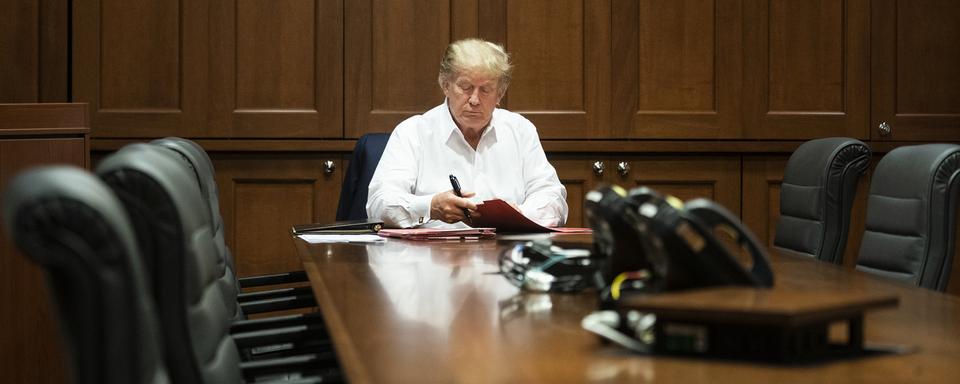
443 83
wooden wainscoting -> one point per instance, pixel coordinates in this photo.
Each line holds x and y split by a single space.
263 195
33 135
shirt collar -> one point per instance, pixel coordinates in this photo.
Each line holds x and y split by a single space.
455 131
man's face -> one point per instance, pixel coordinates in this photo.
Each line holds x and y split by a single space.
472 99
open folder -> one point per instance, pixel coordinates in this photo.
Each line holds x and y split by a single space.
504 217
339 227
440 233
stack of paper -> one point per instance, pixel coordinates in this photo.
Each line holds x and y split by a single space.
439 234
316 238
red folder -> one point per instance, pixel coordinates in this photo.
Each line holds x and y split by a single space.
504 217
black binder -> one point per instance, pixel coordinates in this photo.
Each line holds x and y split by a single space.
339 227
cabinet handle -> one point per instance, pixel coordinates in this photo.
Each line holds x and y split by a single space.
598 168
623 168
885 129
329 166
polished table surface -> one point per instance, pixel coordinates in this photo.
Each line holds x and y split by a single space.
405 311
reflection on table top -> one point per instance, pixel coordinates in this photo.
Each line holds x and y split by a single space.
406 311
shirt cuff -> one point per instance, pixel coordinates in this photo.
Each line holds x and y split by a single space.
420 209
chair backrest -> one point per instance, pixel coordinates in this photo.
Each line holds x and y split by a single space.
819 184
174 229
911 215
205 175
363 162
69 222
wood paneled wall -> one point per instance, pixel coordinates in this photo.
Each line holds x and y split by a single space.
585 69
651 86
31 349
605 81
34 52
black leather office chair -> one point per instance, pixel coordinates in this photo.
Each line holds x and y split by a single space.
363 162
819 184
155 185
67 221
911 215
262 301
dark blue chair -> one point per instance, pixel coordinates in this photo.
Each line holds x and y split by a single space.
353 194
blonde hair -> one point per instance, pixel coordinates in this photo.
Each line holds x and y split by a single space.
476 55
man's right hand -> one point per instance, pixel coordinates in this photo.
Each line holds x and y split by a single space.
448 207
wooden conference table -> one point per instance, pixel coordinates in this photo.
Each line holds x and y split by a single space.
405 311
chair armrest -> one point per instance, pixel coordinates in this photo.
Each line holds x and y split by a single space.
278 304
316 365
273 293
251 325
273 279
293 334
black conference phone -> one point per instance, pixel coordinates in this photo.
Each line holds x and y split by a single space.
649 243
662 244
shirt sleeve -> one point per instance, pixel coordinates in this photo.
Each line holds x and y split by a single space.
390 197
545 200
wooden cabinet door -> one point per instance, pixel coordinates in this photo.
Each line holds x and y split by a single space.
141 65
762 177
262 196
210 68
805 69
915 83
687 177
561 53
392 58
276 68
676 69
578 176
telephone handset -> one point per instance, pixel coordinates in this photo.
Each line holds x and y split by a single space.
614 220
696 258
664 244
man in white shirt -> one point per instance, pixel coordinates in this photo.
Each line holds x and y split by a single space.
493 152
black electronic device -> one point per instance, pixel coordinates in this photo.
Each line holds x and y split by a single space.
695 256
658 243
540 266
616 225
672 286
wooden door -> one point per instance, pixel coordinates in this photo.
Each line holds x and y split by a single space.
805 69
561 55
579 177
142 66
676 69
276 69
262 196
392 58
688 177
210 68
34 40
915 83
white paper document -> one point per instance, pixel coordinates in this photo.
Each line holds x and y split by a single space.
332 238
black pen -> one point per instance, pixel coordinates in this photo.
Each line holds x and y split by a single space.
456 190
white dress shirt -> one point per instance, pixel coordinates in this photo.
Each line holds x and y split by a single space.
424 150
